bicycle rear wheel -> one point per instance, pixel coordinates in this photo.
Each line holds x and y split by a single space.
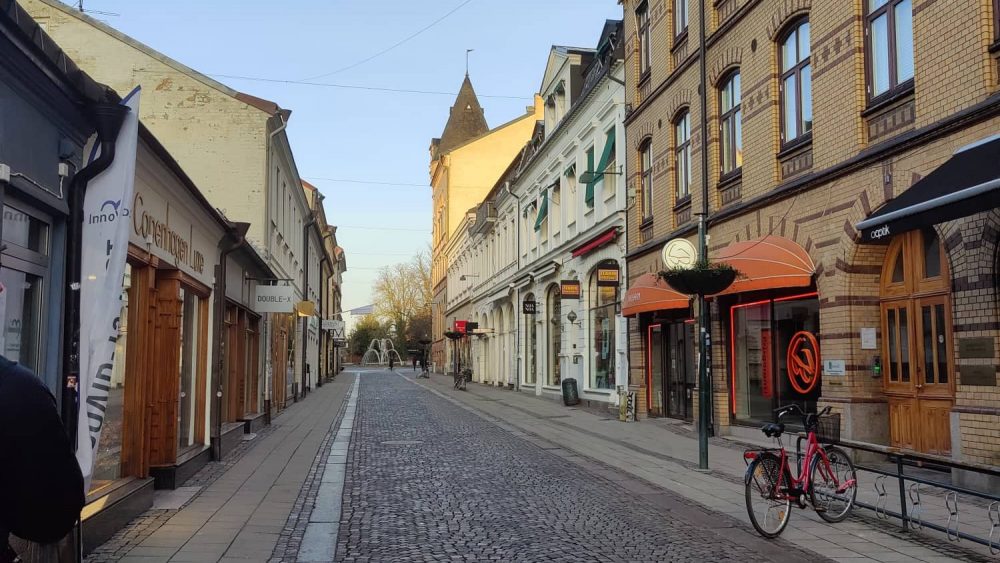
767 506
833 487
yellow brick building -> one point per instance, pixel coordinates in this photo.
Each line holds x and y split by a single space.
465 163
815 123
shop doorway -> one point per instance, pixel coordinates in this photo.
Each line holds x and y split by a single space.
917 342
671 369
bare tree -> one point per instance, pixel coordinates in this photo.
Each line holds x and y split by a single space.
402 292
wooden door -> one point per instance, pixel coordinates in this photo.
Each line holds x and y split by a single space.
165 374
916 343
933 378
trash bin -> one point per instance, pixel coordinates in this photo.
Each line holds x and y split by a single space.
570 395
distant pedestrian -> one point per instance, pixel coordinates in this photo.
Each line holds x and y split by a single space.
41 486
391 363
414 363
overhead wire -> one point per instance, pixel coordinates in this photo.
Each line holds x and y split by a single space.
394 45
359 87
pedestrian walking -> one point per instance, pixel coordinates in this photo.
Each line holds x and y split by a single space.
41 486
414 363
390 362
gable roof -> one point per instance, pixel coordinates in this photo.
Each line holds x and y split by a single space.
263 105
466 120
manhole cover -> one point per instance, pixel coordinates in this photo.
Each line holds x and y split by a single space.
402 442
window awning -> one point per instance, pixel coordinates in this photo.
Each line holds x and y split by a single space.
543 211
650 293
596 242
771 262
966 183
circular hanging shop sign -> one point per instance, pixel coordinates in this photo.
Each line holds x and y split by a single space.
803 362
679 253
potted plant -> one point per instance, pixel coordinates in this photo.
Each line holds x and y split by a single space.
703 278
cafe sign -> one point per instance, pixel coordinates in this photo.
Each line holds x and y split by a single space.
607 277
569 289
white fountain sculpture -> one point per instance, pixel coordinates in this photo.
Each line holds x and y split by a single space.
379 351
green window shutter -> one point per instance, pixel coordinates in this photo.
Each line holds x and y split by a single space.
543 211
589 198
609 148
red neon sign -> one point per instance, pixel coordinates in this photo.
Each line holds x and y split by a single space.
803 362
732 340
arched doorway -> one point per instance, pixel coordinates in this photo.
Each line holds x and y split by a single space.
917 342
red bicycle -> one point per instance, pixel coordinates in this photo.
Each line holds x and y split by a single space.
826 475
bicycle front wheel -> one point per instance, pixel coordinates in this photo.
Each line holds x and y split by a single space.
767 506
833 485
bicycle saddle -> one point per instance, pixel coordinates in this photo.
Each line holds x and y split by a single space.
773 430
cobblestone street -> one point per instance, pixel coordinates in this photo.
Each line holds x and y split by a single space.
428 480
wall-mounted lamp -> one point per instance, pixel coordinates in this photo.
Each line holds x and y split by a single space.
571 317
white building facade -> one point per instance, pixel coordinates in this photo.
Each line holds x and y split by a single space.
544 262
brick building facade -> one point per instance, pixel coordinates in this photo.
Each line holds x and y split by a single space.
819 113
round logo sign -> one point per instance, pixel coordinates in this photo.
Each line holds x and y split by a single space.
803 362
679 253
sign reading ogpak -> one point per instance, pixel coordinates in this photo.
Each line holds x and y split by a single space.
274 299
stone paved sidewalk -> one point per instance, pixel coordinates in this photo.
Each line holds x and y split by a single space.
666 455
241 514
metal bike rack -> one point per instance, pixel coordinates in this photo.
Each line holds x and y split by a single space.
911 514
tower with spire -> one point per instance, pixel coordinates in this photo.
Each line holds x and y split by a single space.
465 163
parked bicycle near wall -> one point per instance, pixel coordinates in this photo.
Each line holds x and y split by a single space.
826 478
462 377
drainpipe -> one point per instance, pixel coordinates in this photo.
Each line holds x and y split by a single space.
107 119
237 235
305 297
268 317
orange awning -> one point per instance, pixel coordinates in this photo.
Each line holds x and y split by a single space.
771 262
650 293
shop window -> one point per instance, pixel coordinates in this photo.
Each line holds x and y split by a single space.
25 259
554 310
775 356
531 334
108 465
188 433
603 306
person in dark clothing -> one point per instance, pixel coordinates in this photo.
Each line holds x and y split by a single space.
41 486
414 363
391 362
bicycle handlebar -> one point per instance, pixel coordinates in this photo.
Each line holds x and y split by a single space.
808 419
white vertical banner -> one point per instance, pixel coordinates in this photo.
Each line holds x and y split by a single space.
104 250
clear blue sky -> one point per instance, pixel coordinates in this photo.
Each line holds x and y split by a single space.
344 134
